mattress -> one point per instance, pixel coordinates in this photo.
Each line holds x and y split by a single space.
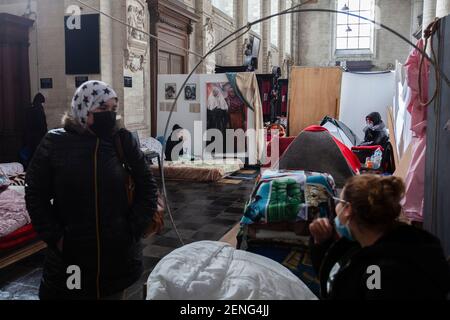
199 170
18 238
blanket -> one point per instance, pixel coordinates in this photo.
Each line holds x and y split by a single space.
216 271
13 212
11 169
290 196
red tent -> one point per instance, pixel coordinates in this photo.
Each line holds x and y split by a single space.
315 149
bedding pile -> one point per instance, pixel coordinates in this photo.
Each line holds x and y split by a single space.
11 169
152 145
210 270
290 197
15 223
277 217
13 212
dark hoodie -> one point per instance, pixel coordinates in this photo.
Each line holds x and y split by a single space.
36 123
411 261
377 135
172 143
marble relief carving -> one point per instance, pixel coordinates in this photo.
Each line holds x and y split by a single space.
137 42
210 41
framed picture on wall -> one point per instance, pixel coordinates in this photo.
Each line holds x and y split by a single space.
171 91
190 92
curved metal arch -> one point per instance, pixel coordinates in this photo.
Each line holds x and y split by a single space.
238 34
244 30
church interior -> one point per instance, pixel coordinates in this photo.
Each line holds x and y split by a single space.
224 150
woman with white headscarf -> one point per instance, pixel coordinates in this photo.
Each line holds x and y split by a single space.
78 202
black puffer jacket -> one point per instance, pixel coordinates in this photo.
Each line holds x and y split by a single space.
411 262
377 135
85 179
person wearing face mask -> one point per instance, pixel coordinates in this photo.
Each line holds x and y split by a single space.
375 133
77 201
366 234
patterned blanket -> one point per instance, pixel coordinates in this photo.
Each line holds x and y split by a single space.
13 212
17 180
290 196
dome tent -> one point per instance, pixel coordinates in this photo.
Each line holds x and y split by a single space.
315 149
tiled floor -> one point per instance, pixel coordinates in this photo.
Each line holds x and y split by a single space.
201 212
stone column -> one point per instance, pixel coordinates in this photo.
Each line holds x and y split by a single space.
429 12
295 29
282 35
265 37
50 34
416 11
204 36
442 8
134 63
241 18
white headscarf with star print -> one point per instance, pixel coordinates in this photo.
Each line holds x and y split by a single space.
88 97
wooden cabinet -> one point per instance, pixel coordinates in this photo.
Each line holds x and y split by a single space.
14 83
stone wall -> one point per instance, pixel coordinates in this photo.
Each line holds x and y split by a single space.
312 45
316 35
47 59
223 25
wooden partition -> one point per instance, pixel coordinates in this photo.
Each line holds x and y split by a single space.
314 93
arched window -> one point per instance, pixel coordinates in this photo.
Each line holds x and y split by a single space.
254 13
352 33
225 6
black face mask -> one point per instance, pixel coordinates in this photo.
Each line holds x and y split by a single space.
104 123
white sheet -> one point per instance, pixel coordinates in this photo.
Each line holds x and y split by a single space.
363 94
210 270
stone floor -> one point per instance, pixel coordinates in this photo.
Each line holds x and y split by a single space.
201 212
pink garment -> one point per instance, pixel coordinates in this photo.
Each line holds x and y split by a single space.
417 111
13 212
415 178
